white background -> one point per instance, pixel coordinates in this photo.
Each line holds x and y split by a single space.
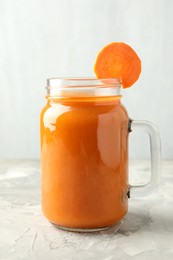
50 38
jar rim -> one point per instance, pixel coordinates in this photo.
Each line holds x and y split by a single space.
81 82
83 87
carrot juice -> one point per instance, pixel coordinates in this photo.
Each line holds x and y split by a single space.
84 154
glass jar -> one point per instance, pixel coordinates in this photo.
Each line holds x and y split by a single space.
84 154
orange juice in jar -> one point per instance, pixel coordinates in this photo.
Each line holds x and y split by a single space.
84 154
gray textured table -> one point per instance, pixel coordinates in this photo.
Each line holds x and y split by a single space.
146 232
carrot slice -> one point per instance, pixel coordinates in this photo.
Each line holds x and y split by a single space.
118 60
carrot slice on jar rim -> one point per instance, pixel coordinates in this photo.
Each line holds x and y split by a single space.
118 60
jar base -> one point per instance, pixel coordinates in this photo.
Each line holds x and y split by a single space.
115 228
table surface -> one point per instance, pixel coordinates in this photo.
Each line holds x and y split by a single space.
146 231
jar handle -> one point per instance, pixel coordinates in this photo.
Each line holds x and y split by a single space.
155 151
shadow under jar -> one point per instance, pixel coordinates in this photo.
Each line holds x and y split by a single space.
84 154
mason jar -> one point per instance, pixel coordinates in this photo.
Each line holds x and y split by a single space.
84 154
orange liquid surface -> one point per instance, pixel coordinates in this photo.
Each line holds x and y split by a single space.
84 161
